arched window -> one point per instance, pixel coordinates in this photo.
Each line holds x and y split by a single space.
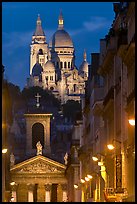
61 65
40 52
65 64
68 64
74 87
37 134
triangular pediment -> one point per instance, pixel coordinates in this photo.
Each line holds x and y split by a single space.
38 164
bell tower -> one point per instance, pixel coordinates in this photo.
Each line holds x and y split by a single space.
37 129
39 47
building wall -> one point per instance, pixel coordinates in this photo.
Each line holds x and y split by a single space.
109 120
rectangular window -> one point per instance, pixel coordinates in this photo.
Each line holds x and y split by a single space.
51 78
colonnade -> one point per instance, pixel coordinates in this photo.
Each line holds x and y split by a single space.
39 193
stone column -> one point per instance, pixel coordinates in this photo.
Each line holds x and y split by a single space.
47 192
30 192
47 135
64 193
14 193
41 193
59 193
22 193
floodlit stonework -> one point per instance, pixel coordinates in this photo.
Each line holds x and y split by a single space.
52 66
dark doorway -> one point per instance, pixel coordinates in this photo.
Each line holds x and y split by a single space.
37 134
35 192
54 193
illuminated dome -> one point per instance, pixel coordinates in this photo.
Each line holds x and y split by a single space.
49 66
84 65
61 39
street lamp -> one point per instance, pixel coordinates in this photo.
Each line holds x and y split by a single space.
12 183
4 150
100 163
95 158
75 186
131 121
87 179
82 180
111 146
89 176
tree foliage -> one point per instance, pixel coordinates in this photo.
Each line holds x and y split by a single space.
72 109
46 95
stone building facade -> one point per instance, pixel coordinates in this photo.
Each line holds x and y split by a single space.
37 176
107 109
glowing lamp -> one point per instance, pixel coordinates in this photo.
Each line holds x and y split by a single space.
95 158
110 146
131 122
75 186
100 163
12 183
4 150
82 180
89 176
87 179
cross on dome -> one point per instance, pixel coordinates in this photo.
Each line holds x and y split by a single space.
85 55
60 21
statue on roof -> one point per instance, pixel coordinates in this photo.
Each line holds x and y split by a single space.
12 159
39 148
66 158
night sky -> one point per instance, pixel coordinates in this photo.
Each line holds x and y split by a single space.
86 22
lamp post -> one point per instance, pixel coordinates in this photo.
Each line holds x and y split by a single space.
101 175
118 164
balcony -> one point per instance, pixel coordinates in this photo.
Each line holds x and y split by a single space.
115 195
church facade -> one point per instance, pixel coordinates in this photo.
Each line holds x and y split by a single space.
52 66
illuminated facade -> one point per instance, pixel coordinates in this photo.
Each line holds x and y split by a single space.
52 66
107 109
37 176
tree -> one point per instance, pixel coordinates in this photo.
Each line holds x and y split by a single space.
47 97
72 109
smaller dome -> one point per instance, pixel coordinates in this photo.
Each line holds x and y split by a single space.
84 67
49 66
37 69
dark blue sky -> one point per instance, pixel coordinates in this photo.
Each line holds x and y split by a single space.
86 22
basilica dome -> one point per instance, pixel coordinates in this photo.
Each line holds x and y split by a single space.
61 39
84 67
49 66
